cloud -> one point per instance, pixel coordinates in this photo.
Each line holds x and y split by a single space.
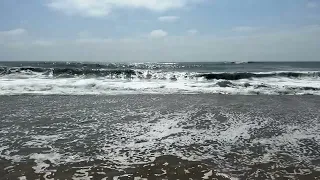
158 33
29 44
169 19
245 29
295 44
12 35
13 32
192 31
93 8
312 4
101 8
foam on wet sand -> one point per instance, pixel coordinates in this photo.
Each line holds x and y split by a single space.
165 136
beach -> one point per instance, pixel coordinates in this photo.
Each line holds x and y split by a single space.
173 136
159 90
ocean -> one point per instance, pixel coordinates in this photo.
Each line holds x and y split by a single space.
242 78
150 121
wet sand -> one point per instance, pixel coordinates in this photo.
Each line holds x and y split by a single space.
159 137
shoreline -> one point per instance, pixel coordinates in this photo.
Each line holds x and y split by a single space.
257 137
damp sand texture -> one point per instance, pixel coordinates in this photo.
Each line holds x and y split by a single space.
159 137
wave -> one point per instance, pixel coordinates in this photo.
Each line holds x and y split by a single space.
148 74
246 75
92 72
64 72
78 65
240 62
108 86
83 81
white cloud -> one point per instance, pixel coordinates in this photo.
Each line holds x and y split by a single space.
169 19
93 8
100 8
158 33
245 29
13 32
312 4
29 44
192 31
294 44
10 36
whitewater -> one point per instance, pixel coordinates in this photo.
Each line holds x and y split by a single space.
64 78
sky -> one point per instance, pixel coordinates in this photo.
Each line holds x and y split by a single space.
159 30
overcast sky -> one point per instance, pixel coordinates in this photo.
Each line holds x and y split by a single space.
159 30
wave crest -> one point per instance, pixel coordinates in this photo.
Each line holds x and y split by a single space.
247 75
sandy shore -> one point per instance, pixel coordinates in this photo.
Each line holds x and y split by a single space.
159 137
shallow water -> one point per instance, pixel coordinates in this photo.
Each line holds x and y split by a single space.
160 137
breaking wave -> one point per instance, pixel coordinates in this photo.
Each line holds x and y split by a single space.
97 79
57 72
246 75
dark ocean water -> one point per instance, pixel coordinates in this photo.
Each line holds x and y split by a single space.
246 78
159 137
183 66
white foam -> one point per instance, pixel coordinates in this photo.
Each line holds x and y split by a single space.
41 141
22 178
157 134
165 132
159 83
207 175
6 151
39 159
226 176
3 148
290 140
139 178
82 174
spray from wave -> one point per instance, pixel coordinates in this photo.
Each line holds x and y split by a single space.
163 78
